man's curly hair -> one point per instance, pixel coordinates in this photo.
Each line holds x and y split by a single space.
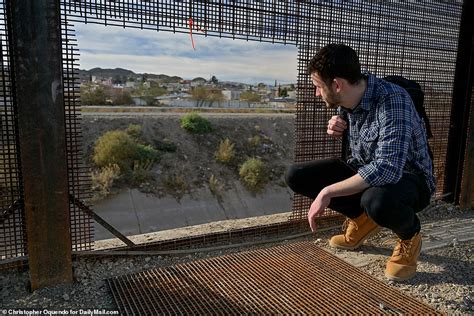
336 60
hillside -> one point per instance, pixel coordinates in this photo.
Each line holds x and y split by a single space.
267 137
187 186
125 73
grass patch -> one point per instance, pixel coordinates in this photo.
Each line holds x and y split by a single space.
134 130
252 174
104 178
141 172
176 184
196 124
225 153
254 141
213 184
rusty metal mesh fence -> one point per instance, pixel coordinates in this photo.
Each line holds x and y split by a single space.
416 40
12 215
82 233
13 242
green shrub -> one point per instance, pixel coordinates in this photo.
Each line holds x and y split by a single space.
254 141
225 153
118 147
103 179
252 174
196 124
134 130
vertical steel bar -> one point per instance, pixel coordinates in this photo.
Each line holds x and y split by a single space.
462 90
36 42
466 198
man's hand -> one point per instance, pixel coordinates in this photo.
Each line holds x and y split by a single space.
336 126
317 207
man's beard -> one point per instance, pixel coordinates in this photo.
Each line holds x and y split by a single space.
332 102
331 105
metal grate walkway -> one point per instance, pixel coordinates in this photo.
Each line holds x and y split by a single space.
294 278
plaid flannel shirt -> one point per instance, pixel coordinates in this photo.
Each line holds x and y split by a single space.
387 136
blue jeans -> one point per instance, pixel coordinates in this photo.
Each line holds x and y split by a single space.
393 205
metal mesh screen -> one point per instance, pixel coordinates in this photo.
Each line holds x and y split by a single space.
297 278
82 234
12 215
415 40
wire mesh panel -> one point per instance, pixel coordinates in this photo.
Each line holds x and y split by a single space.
414 40
78 178
269 21
12 215
296 278
417 40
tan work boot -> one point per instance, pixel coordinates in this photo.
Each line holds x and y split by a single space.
402 265
356 231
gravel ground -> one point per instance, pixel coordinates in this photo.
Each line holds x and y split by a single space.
445 278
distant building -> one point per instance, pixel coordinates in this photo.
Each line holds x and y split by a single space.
130 84
231 94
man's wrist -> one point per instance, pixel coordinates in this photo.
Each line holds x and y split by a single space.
327 192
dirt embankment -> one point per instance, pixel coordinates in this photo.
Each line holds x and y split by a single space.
191 161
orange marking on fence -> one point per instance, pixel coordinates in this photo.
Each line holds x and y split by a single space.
191 24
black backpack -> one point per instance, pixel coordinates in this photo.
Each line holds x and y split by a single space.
417 95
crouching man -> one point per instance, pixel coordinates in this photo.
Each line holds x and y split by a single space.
387 179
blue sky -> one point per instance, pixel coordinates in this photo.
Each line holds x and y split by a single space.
172 54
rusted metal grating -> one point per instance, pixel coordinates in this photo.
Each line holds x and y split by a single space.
12 212
82 228
294 278
233 236
415 40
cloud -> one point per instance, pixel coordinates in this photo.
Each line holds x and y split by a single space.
172 54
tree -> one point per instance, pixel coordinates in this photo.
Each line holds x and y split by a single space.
214 80
200 94
148 94
283 93
93 95
250 96
216 96
203 94
122 98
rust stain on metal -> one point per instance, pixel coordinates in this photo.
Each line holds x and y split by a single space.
288 279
